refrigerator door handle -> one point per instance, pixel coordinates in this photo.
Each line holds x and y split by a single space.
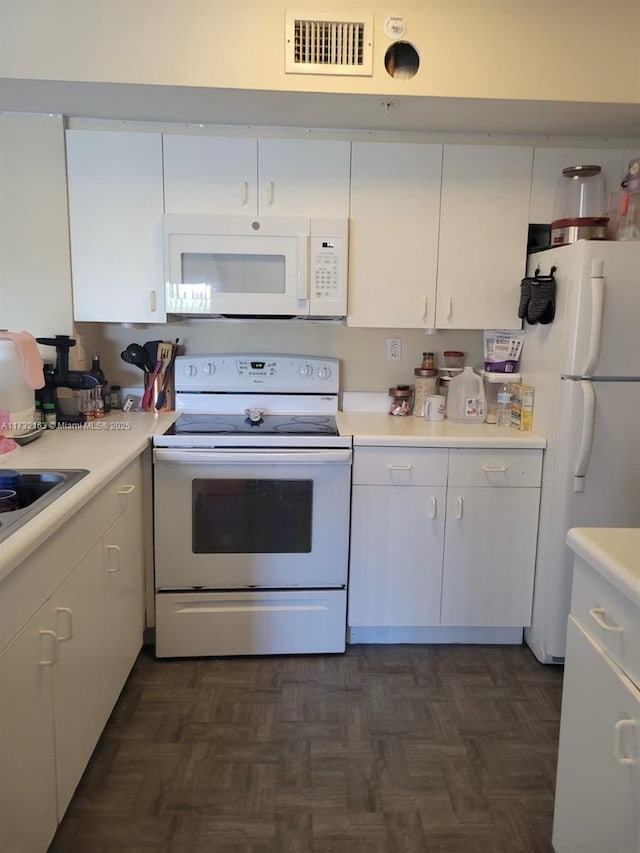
586 436
597 311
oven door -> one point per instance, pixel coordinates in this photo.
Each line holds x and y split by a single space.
240 518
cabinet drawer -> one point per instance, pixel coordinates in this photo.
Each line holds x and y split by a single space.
608 616
120 491
401 466
495 467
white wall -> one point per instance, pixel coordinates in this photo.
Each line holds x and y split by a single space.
362 351
574 50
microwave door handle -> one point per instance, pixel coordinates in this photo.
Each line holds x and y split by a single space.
303 269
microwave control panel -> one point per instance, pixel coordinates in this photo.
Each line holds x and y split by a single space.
328 272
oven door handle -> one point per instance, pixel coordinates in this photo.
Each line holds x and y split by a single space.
251 457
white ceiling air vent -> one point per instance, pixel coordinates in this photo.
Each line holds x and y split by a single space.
329 44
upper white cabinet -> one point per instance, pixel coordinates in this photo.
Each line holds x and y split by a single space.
280 177
393 240
484 216
210 174
303 177
35 272
548 164
115 211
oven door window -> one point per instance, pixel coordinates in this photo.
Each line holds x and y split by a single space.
251 516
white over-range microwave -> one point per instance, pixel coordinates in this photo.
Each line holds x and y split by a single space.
241 266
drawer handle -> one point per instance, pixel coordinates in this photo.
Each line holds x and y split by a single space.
125 490
69 634
114 559
54 648
597 614
433 512
400 467
494 469
460 511
618 753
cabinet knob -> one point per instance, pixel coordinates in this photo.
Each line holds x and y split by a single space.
433 508
68 634
114 559
618 752
597 614
125 490
53 656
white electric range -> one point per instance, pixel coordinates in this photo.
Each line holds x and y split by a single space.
251 509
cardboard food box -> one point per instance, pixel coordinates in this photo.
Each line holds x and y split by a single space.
522 406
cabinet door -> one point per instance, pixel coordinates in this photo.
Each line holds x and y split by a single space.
210 174
596 804
115 210
483 235
79 675
393 241
395 567
123 563
489 556
548 164
35 271
27 767
303 177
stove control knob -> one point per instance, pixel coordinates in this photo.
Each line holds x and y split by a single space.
190 370
209 369
324 372
306 370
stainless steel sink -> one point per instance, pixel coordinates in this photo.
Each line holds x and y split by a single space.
37 488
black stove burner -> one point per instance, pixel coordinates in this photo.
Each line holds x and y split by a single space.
201 424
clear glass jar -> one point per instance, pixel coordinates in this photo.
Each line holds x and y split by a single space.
425 384
401 398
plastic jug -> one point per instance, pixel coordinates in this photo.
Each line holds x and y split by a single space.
466 401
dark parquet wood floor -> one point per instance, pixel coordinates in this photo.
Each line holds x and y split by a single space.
386 749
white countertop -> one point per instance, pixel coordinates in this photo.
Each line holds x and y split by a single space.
103 448
380 428
614 552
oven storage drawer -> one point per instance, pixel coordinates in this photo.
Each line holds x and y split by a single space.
250 623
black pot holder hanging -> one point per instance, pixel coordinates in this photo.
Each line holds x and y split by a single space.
538 298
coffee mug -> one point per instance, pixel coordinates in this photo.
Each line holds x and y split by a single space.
8 500
434 408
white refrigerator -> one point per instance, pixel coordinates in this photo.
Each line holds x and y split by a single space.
585 366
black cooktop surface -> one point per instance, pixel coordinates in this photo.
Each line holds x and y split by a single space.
267 424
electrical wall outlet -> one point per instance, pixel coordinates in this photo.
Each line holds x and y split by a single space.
394 349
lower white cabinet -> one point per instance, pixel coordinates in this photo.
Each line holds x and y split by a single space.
597 801
28 814
597 788
61 674
443 537
490 547
397 535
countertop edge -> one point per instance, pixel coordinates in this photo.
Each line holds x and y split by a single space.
35 532
613 552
